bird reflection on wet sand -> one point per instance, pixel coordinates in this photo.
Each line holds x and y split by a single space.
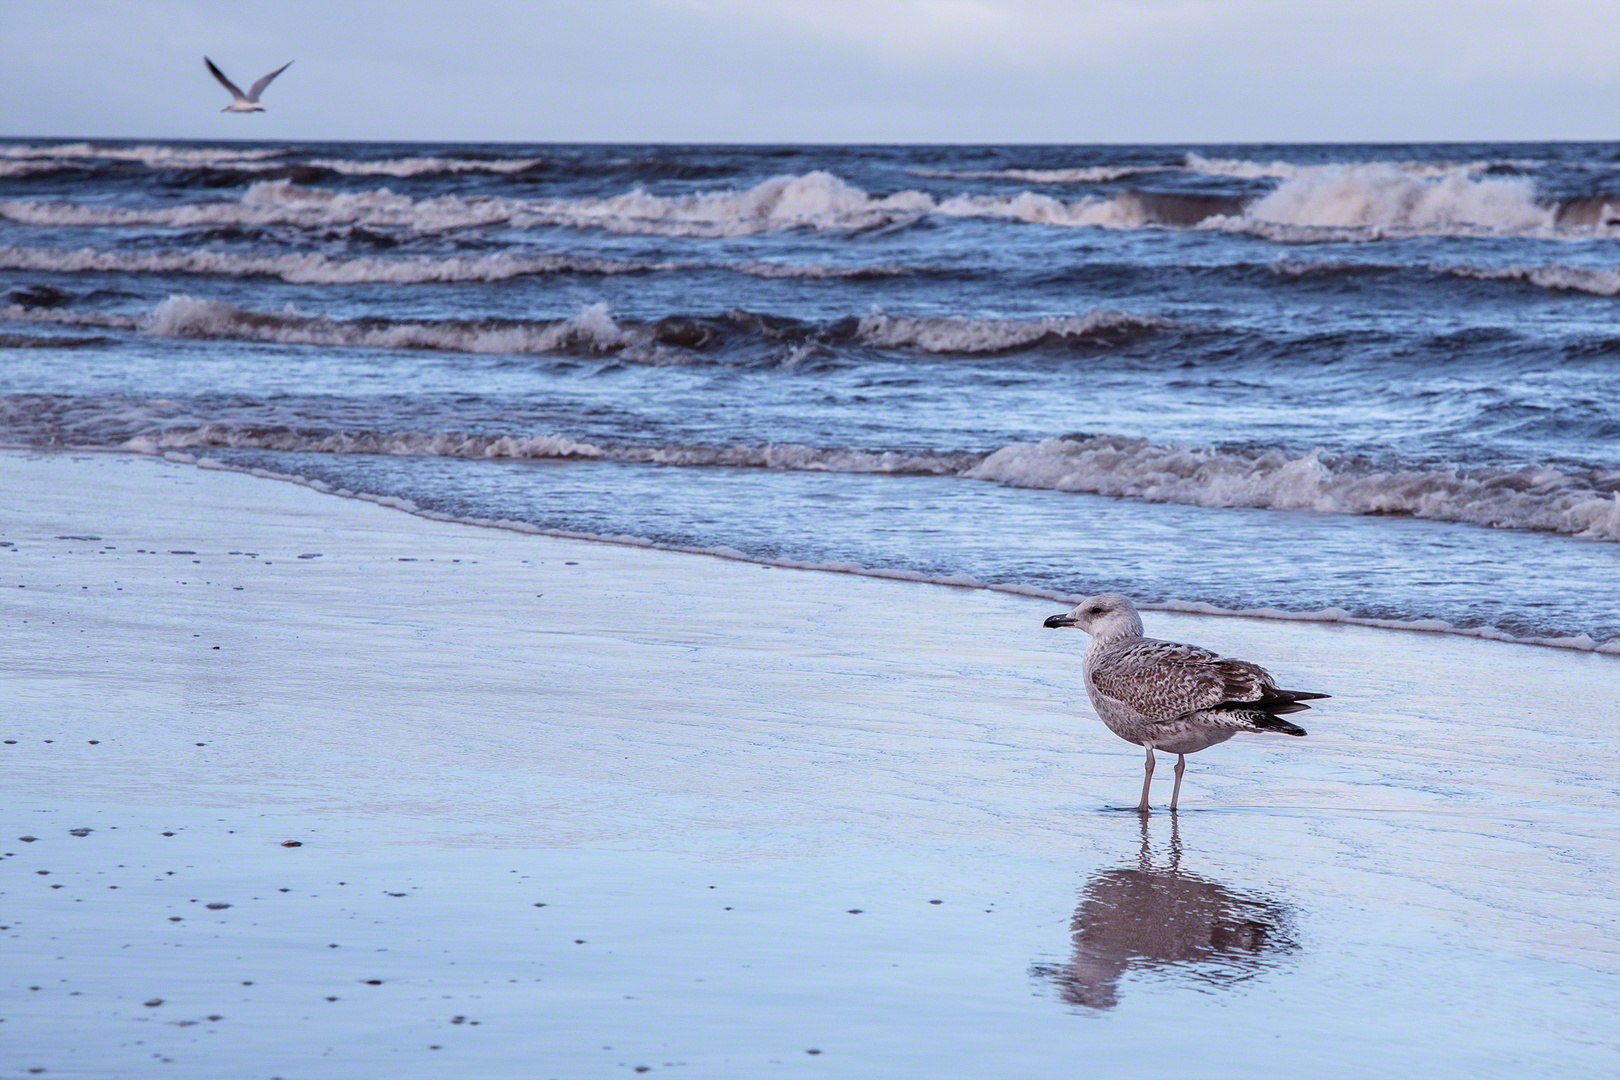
1149 918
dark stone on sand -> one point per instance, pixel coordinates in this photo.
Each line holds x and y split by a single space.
218 906
292 843
854 911
28 839
154 1003
310 555
79 832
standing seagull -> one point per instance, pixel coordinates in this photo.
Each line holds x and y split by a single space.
248 102
1176 698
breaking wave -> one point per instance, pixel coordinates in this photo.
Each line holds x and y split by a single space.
154 156
48 158
1241 169
953 334
1366 197
1356 202
593 330
1092 174
317 269
815 200
1533 497
11 170
786 456
278 202
1228 168
405 168
1597 282
1528 497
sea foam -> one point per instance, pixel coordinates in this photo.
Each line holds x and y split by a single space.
1530 497
1354 202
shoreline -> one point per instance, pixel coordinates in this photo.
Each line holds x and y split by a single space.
1580 643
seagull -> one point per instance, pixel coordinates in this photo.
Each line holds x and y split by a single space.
248 102
1175 698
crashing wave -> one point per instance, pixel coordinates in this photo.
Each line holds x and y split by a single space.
1314 204
278 202
1596 281
816 200
179 157
1366 202
1593 280
405 168
1242 169
12 170
1529 497
316 269
954 334
1092 174
593 330
785 456
1570 502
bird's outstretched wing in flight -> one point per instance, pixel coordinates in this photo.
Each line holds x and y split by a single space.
258 88
236 91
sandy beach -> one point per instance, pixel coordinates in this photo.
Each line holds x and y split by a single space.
302 786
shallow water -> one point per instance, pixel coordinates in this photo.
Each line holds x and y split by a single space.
1314 334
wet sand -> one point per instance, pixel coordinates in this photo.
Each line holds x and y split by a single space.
568 809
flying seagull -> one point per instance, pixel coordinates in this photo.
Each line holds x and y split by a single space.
248 102
1170 697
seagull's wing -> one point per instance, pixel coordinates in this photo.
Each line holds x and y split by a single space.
258 88
236 91
1162 680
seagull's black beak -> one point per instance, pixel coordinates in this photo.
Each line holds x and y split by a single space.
1057 622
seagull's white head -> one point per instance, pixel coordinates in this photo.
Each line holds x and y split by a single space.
1106 615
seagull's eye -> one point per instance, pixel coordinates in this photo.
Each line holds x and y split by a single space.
1095 611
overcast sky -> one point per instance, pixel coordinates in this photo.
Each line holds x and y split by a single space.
819 70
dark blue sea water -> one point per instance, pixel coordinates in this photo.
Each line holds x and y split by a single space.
1382 379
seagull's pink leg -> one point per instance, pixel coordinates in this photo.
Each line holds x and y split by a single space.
1181 767
1147 780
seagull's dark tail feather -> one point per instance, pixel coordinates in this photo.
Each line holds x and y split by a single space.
1266 722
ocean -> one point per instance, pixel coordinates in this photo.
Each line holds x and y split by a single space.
1336 382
